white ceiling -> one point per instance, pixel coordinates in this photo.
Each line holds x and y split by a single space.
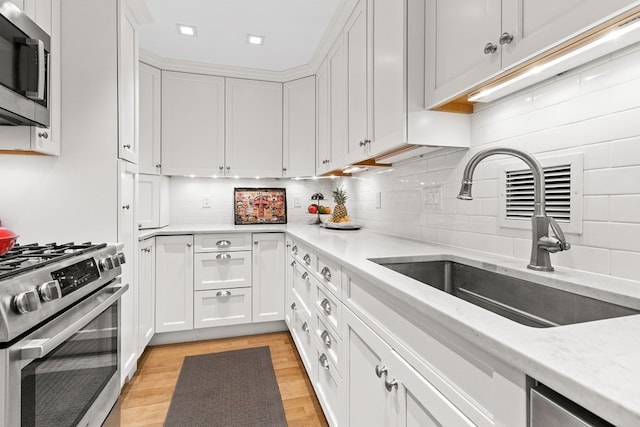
292 31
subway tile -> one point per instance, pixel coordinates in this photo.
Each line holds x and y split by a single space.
490 207
625 264
625 208
483 224
595 260
621 125
612 181
560 91
607 235
625 152
498 244
597 156
470 240
595 208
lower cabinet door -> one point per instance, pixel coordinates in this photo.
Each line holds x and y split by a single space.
222 307
302 333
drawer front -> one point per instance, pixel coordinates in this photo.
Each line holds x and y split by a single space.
329 388
222 270
222 242
329 309
302 333
328 342
303 255
304 287
330 274
222 307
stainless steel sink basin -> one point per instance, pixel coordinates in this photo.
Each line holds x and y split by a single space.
522 301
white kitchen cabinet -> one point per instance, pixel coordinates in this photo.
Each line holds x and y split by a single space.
146 293
253 128
127 234
222 307
358 62
465 45
289 305
332 131
299 128
153 201
45 13
174 283
192 124
150 102
127 84
383 389
268 277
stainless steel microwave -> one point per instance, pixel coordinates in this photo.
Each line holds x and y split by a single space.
24 71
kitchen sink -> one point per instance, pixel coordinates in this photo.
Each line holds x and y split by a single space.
522 301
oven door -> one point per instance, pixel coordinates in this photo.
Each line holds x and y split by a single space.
67 373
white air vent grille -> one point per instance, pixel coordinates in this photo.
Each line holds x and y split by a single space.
520 195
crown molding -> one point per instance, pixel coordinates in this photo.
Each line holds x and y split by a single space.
334 29
140 11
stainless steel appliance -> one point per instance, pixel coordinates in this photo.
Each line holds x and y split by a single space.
550 409
24 71
59 334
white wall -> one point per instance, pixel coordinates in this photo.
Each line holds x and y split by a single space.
186 198
594 110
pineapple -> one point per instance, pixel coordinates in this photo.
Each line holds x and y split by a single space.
340 211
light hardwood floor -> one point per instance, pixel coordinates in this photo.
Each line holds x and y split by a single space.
145 399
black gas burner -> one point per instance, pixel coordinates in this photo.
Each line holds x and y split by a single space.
22 258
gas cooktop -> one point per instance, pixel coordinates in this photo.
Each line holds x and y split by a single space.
23 258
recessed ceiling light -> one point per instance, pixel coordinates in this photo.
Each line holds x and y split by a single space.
253 39
187 30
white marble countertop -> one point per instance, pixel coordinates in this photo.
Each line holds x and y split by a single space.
596 364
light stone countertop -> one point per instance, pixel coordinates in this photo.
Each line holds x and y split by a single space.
596 364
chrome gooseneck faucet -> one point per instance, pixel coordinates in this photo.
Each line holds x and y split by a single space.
542 244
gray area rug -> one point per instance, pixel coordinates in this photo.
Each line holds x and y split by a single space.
232 388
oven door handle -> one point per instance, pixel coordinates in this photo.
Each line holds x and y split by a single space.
38 348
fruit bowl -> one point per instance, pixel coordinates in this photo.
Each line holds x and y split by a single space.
7 240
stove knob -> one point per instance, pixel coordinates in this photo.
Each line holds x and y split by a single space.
106 264
26 302
121 257
116 261
50 290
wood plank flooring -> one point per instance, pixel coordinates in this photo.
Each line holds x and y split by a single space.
145 399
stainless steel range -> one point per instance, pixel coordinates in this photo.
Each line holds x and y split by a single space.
59 334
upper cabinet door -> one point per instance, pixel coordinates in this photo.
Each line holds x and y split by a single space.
323 132
539 24
337 64
192 124
127 85
356 39
299 128
457 33
253 143
149 119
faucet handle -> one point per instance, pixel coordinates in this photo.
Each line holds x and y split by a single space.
557 231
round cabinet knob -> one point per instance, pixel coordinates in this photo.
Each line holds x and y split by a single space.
362 143
26 302
158 165
284 169
127 146
506 38
221 167
255 242
381 370
390 385
228 167
43 135
50 290
367 141
126 207
490 48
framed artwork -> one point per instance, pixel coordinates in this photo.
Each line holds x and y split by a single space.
260 206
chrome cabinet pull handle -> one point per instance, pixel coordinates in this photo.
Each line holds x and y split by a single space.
323 361
307 259
390 385
127 146
293 263
158 165
44 135
381 370
326 338
326 306
505 38
223 294
490 48
223 243
362 143
126 207
223 256
305 275
326 273
305 327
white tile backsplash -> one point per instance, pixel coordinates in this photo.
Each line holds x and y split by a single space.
594 110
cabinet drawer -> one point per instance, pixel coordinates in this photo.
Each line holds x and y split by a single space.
222 242
329 308
303 255
328 342
303 286
222 270
303 337
329 273
222 307
329 388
